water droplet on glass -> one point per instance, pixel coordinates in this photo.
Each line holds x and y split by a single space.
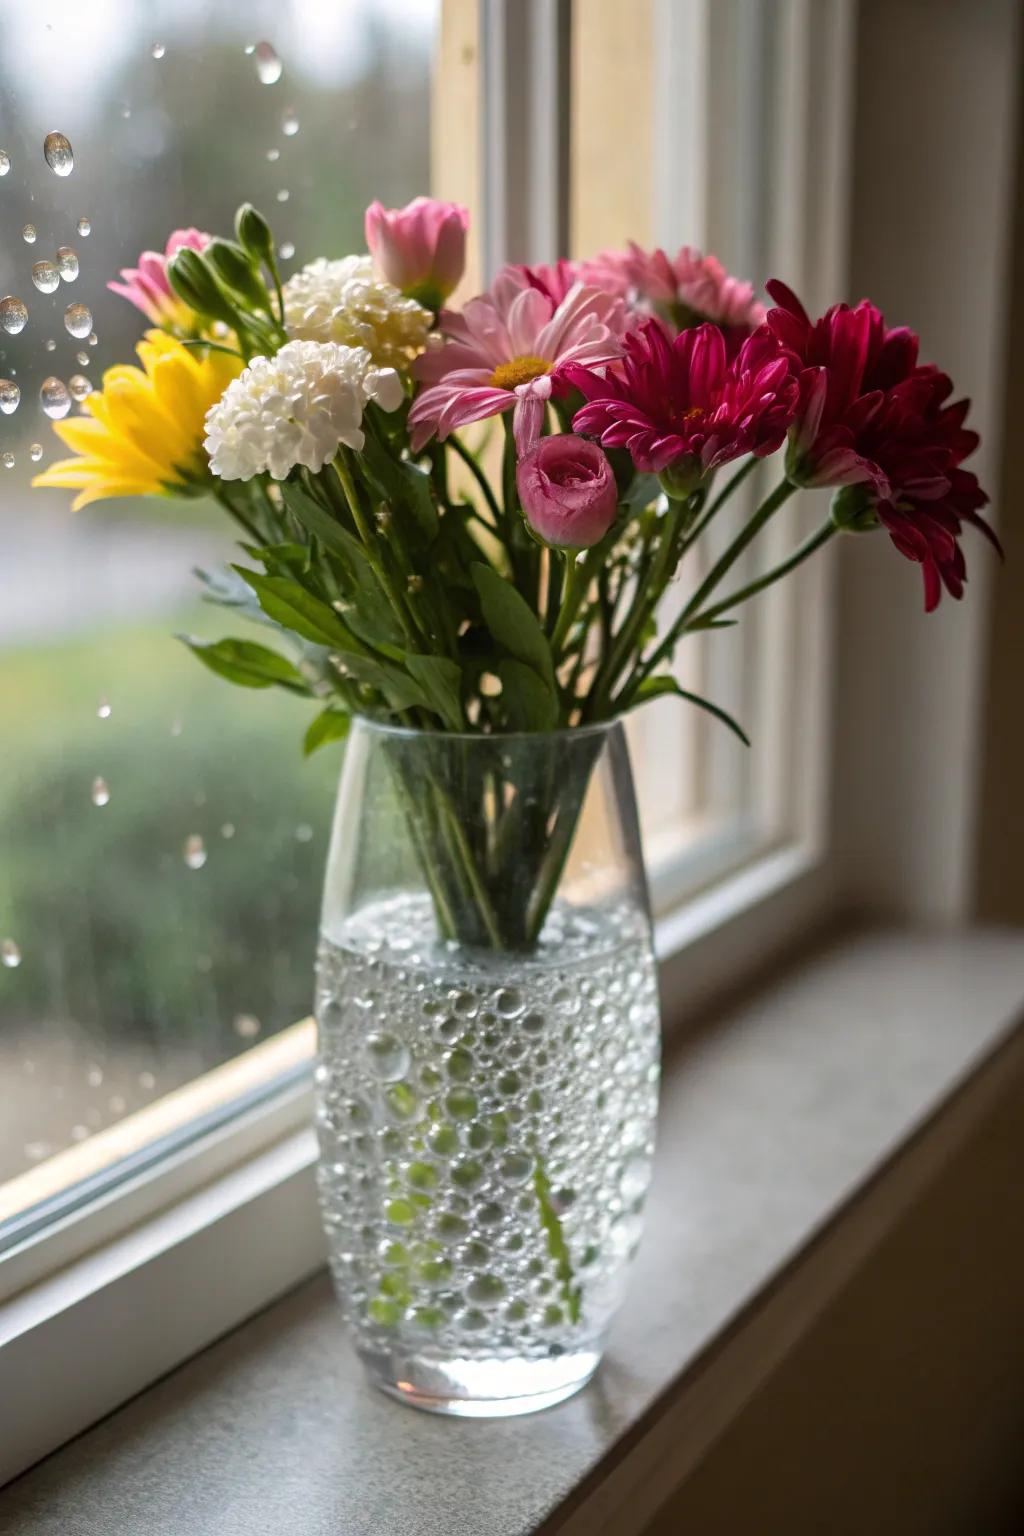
158 50
283 195
250 48
10 394
79 1132
10 954
290 122
79 386
273 154
54 398
103 710
247 1026
126 112
303 832
5 162
268 65
7 459
67 263
389 1058
228 829
82 359
45 276
94 1077
35 452
100 792
195 851
58 153
84 227
147 1081
176 727
13 315
28 234
77 320
51 345
35 1151
116 1104
287 250
93 339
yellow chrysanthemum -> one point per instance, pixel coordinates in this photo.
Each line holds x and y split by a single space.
145 435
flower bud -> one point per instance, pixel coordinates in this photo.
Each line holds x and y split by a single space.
853 508
568 492
196 283
235 268
254 234
421 248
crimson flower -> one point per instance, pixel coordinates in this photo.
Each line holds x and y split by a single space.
870 415
677 402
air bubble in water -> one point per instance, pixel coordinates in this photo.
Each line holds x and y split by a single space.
67 263
273 154
84 227
45 276
5 162
58 153
287 250
268 64
28 234
195 851
158 50
7 460
10 394
54 398
77 320
10 954
100 792
247 1026
35 452
103 710
290 122
79 386
283 195
13 314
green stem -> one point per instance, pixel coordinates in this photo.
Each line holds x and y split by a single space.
390 587
472 464
576 582
799 555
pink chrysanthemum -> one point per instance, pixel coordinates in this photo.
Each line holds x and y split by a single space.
507 350
146 285
683 290
681 403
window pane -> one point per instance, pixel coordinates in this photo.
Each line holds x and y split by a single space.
160 835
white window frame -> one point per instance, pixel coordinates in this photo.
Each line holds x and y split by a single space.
117 1293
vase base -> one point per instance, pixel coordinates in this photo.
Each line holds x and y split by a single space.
482 1389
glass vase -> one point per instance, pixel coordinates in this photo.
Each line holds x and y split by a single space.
489 1051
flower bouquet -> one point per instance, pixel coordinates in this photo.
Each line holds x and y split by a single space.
477 609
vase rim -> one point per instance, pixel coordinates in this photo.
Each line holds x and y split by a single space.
574 732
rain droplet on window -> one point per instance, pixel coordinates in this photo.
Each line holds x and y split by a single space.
126 112
35 452
100 792
303 832
283 195
10 394
54 398
93 339
290 122
10 954
51 345
228 829
82 359
28 234
158 50
79 1132
273 154
287 250
94 1077
103 709
77 320
58 153
45 276
195 851
147 1081
79 386
35 1151
116 1104
13 314
84 227
67 263
5 162
7 459
176 727
249 48
268 65
246 1026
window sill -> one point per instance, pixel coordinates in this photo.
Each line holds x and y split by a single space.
795 1135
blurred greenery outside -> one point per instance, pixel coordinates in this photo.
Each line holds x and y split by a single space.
123 945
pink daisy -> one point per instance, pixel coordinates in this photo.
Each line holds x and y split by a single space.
684 290
146 285
507 350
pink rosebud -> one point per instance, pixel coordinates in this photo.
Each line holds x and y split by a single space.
568 492
421 248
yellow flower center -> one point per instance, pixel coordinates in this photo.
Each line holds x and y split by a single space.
519 371
693 414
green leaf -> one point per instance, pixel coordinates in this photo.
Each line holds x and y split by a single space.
402 485
330 725
247 664
657 687
289 604
528 702
398 688
513 623
441 681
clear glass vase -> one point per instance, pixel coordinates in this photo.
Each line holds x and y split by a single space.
489 1048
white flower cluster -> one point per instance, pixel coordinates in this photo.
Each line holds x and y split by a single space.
345 301
295 408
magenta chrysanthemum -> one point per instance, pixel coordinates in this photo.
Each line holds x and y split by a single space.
507 350
680 402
